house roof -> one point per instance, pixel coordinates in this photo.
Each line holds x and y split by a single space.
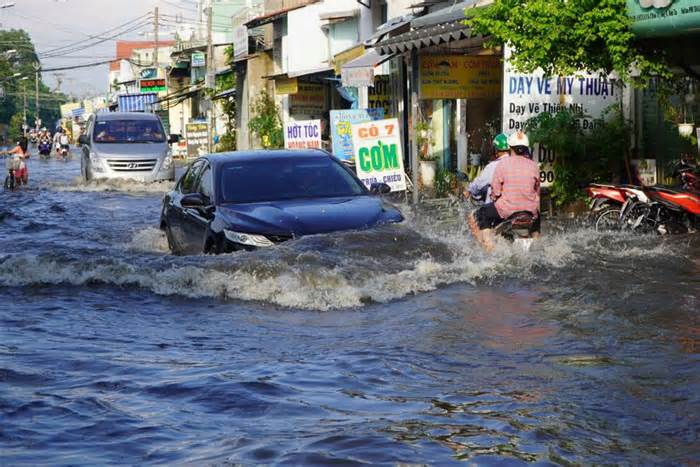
125 48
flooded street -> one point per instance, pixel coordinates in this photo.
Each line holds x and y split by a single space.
401 345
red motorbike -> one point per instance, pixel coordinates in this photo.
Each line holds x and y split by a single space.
606 202
665 211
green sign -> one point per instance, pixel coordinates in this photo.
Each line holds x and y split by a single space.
658 18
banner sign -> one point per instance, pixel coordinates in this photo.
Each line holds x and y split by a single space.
198 59
197 136
310 99
341 130
302 134
358 77
459 77
240 42
657 18
152 85
528 95
378 155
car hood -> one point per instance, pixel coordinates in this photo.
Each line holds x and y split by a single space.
128 150
308 216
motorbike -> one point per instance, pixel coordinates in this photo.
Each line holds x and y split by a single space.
64 152
688 175
519 228
45 149
665 211
607 204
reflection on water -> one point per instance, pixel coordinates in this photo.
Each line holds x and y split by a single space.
400 345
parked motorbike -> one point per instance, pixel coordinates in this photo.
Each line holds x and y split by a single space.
689 176
664 211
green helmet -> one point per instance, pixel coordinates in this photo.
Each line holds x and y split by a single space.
500 142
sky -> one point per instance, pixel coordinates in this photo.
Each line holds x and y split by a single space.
56 23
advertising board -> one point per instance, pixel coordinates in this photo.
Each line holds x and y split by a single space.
341 128
302 134
378 155
197 136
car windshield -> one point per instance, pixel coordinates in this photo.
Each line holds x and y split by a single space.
278 179
128 131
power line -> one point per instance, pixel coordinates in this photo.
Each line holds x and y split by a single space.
139 19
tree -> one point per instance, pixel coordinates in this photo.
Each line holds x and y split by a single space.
565 36
266 123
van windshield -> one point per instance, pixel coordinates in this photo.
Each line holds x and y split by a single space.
128 131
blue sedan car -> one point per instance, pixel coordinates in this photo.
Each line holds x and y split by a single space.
247 200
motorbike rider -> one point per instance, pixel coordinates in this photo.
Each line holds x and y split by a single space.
515 187
16 163
480 187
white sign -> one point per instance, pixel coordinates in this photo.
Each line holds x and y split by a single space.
358 76
198 60
378 155
528 95
240 42
645 169
302 134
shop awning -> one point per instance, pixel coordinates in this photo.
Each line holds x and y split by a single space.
313 71
360 71
393 26
447 15
224 94
271 17
424 37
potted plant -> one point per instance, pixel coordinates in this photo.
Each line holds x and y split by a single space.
426 163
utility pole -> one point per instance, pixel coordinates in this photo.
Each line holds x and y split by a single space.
37 120
155 35
210 78
24 112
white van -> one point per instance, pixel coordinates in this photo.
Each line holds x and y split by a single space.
130 145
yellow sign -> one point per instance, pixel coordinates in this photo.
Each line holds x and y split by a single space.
286 86
67 109
347 55
310 99
460 76
380 95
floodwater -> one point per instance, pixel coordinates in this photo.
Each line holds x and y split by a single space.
400 345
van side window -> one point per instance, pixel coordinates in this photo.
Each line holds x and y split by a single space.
187 184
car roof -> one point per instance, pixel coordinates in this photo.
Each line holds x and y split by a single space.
270 155
125 116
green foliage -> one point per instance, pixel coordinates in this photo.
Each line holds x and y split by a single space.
424 141
23 61
442 184
224 82
266 123
565 36
15 130
582 156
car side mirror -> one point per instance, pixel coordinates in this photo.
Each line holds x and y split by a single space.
193 200
172 139
379 189
83 140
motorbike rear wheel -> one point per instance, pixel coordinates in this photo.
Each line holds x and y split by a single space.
608 220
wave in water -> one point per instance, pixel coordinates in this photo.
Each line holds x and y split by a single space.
322 272
113 185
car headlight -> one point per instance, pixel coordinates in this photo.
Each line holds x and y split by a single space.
247 239
167 162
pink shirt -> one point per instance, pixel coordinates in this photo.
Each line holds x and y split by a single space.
516 186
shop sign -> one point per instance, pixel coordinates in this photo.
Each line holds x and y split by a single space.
198 60
657 18
347 55
240 42
152 85
379 96
149 73
645 170
528 95
341 128
286 86
358 77
302 134
67 109
310 99
378 156
459 77
197 136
